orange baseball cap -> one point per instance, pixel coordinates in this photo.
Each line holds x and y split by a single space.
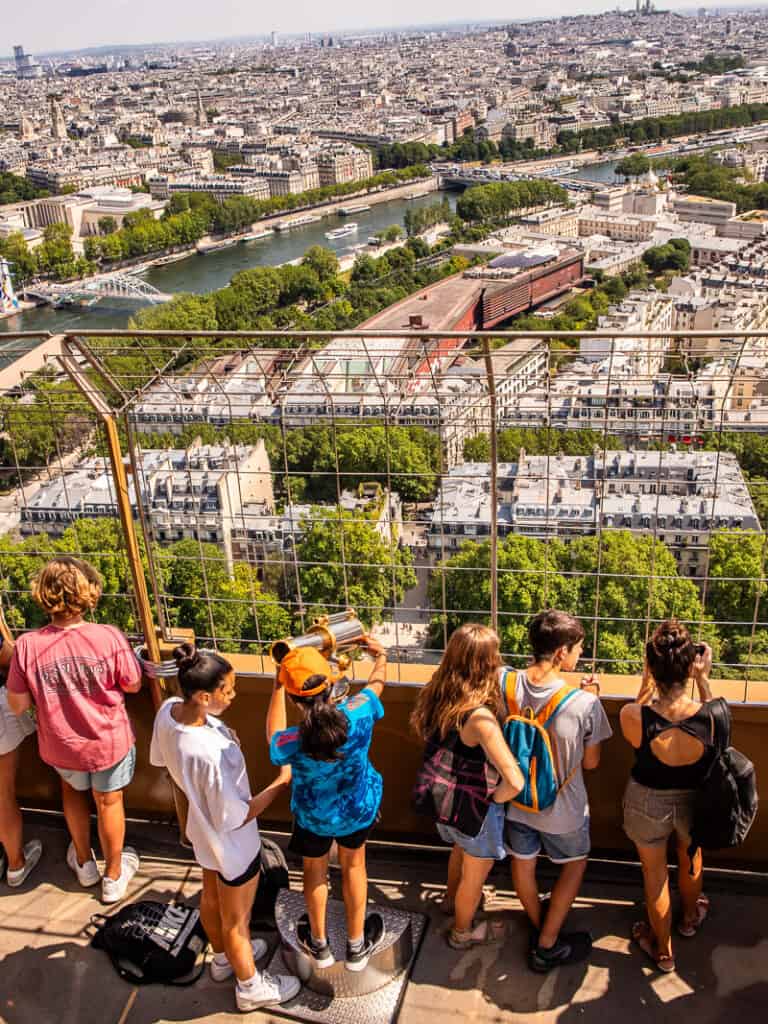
299 665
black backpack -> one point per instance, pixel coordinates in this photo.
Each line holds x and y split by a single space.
726 801
272 878
151 942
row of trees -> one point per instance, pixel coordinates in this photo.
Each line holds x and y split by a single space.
192 215
653 129
649 129
498 201
54 257
638 580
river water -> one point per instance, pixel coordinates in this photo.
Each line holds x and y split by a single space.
201 274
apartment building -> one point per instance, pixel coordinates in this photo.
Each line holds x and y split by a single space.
220 186
339 164
681 498
649 311
196 493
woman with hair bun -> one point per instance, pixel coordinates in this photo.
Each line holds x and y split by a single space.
75 673
673 739
204 759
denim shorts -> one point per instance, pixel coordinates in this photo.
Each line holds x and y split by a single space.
488 844
108 780
652 815
525 843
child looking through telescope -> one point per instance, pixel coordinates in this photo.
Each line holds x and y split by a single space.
336 791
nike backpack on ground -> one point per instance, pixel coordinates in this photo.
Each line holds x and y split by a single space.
726 801
272 878
528 737
151 942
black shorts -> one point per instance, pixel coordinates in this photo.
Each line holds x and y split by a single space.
308 844
248 875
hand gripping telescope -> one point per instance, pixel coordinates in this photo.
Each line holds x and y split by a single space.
328 634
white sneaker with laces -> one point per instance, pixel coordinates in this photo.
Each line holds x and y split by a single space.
222 971
114 889
266 990
33 851
87 874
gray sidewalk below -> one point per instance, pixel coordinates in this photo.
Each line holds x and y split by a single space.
50 975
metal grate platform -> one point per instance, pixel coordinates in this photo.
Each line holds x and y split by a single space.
336 995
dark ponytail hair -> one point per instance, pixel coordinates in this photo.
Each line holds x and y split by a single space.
670 654
324 728
199 669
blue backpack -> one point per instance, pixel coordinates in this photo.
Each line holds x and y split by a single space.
528 738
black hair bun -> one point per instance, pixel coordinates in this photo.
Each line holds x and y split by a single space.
186 656
672 639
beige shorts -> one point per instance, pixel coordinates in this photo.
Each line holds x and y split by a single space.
13 730
651 816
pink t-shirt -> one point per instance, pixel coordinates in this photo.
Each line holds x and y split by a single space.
75 677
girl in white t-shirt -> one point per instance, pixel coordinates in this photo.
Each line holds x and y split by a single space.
204 759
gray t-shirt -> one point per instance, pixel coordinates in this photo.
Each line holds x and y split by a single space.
581 723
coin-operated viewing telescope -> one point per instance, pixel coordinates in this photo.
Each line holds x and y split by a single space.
328 634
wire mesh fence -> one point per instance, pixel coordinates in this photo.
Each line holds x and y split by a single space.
424 480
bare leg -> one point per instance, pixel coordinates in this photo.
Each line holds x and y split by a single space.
657 901
210 913
354 884
454 876
77 811
235 904
470 891
316 893
564 893
111 821
524 880
690 885
10 815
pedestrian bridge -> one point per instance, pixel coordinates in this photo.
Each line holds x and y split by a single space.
116 286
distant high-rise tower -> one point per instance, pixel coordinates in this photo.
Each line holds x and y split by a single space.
201 118
58 124
25 65
274 38
637 6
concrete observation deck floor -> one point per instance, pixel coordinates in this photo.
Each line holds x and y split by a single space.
50 975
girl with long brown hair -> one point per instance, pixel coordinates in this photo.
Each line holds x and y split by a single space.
469 772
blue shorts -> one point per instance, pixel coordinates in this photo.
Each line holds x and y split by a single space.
488 844
525 843
108 780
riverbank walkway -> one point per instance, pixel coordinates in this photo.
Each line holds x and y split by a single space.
50 975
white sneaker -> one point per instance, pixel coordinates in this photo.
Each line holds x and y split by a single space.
33 851
113 889
220 972
87 874
266 990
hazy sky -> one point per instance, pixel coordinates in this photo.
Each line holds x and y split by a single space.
52 25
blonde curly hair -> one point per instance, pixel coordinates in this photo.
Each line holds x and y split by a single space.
67 585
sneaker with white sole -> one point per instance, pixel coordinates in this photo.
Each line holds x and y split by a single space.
33 851
319 952
114 889
266 990
373 936
88 874
222 971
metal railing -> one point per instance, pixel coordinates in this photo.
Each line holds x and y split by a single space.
236 483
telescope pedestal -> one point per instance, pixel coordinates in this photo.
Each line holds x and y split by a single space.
335 995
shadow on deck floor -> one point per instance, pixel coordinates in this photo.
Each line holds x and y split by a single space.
50 975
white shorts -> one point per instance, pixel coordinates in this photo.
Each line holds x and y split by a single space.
13 729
